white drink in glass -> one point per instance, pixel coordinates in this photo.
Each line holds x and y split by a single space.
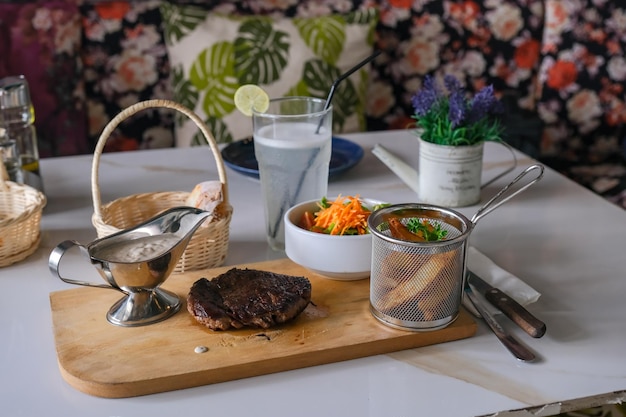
293 166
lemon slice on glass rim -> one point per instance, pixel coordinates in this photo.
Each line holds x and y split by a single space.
251 96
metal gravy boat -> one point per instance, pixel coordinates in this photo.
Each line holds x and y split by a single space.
137 261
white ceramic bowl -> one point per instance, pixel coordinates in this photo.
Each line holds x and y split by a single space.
344 258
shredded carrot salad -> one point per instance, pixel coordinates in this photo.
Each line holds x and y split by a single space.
345 215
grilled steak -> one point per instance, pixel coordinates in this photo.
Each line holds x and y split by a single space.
248 297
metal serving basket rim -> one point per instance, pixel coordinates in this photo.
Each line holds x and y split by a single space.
465 225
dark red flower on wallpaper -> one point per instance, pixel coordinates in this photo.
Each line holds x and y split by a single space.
562 74
114 10
401 4
527 54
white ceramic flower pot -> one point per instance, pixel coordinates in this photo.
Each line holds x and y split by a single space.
450 176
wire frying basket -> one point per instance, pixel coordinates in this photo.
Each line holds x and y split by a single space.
418 286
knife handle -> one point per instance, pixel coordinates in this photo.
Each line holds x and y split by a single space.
518 314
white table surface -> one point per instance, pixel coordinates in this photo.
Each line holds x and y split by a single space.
560 238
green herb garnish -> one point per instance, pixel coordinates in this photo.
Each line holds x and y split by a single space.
426 230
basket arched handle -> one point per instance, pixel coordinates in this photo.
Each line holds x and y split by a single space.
135 108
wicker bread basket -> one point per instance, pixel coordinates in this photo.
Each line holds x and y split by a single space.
20 219
209 244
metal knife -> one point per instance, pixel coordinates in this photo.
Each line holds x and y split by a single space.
518 350
511 308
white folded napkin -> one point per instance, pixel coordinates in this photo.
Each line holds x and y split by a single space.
485 268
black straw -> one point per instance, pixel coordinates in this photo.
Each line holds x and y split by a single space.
339 79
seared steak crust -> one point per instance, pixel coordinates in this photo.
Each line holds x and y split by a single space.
248 297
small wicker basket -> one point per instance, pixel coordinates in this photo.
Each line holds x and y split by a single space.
20 219
209 244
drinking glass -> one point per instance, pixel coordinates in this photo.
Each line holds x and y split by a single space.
292 144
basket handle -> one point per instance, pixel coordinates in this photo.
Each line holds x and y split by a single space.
135 108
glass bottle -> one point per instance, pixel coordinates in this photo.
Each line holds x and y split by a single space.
17 117
10 157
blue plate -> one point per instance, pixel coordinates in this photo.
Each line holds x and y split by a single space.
239 156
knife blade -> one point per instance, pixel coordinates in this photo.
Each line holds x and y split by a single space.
518 350
511 308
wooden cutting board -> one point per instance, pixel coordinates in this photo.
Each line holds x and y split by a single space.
104 360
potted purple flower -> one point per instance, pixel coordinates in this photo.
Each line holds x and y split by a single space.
452 130
452 118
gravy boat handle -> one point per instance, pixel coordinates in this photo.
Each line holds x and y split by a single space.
54 262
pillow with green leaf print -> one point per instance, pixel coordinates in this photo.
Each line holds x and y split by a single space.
212 55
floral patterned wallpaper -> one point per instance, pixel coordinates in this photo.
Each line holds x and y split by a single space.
479 43
581 97
125 61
